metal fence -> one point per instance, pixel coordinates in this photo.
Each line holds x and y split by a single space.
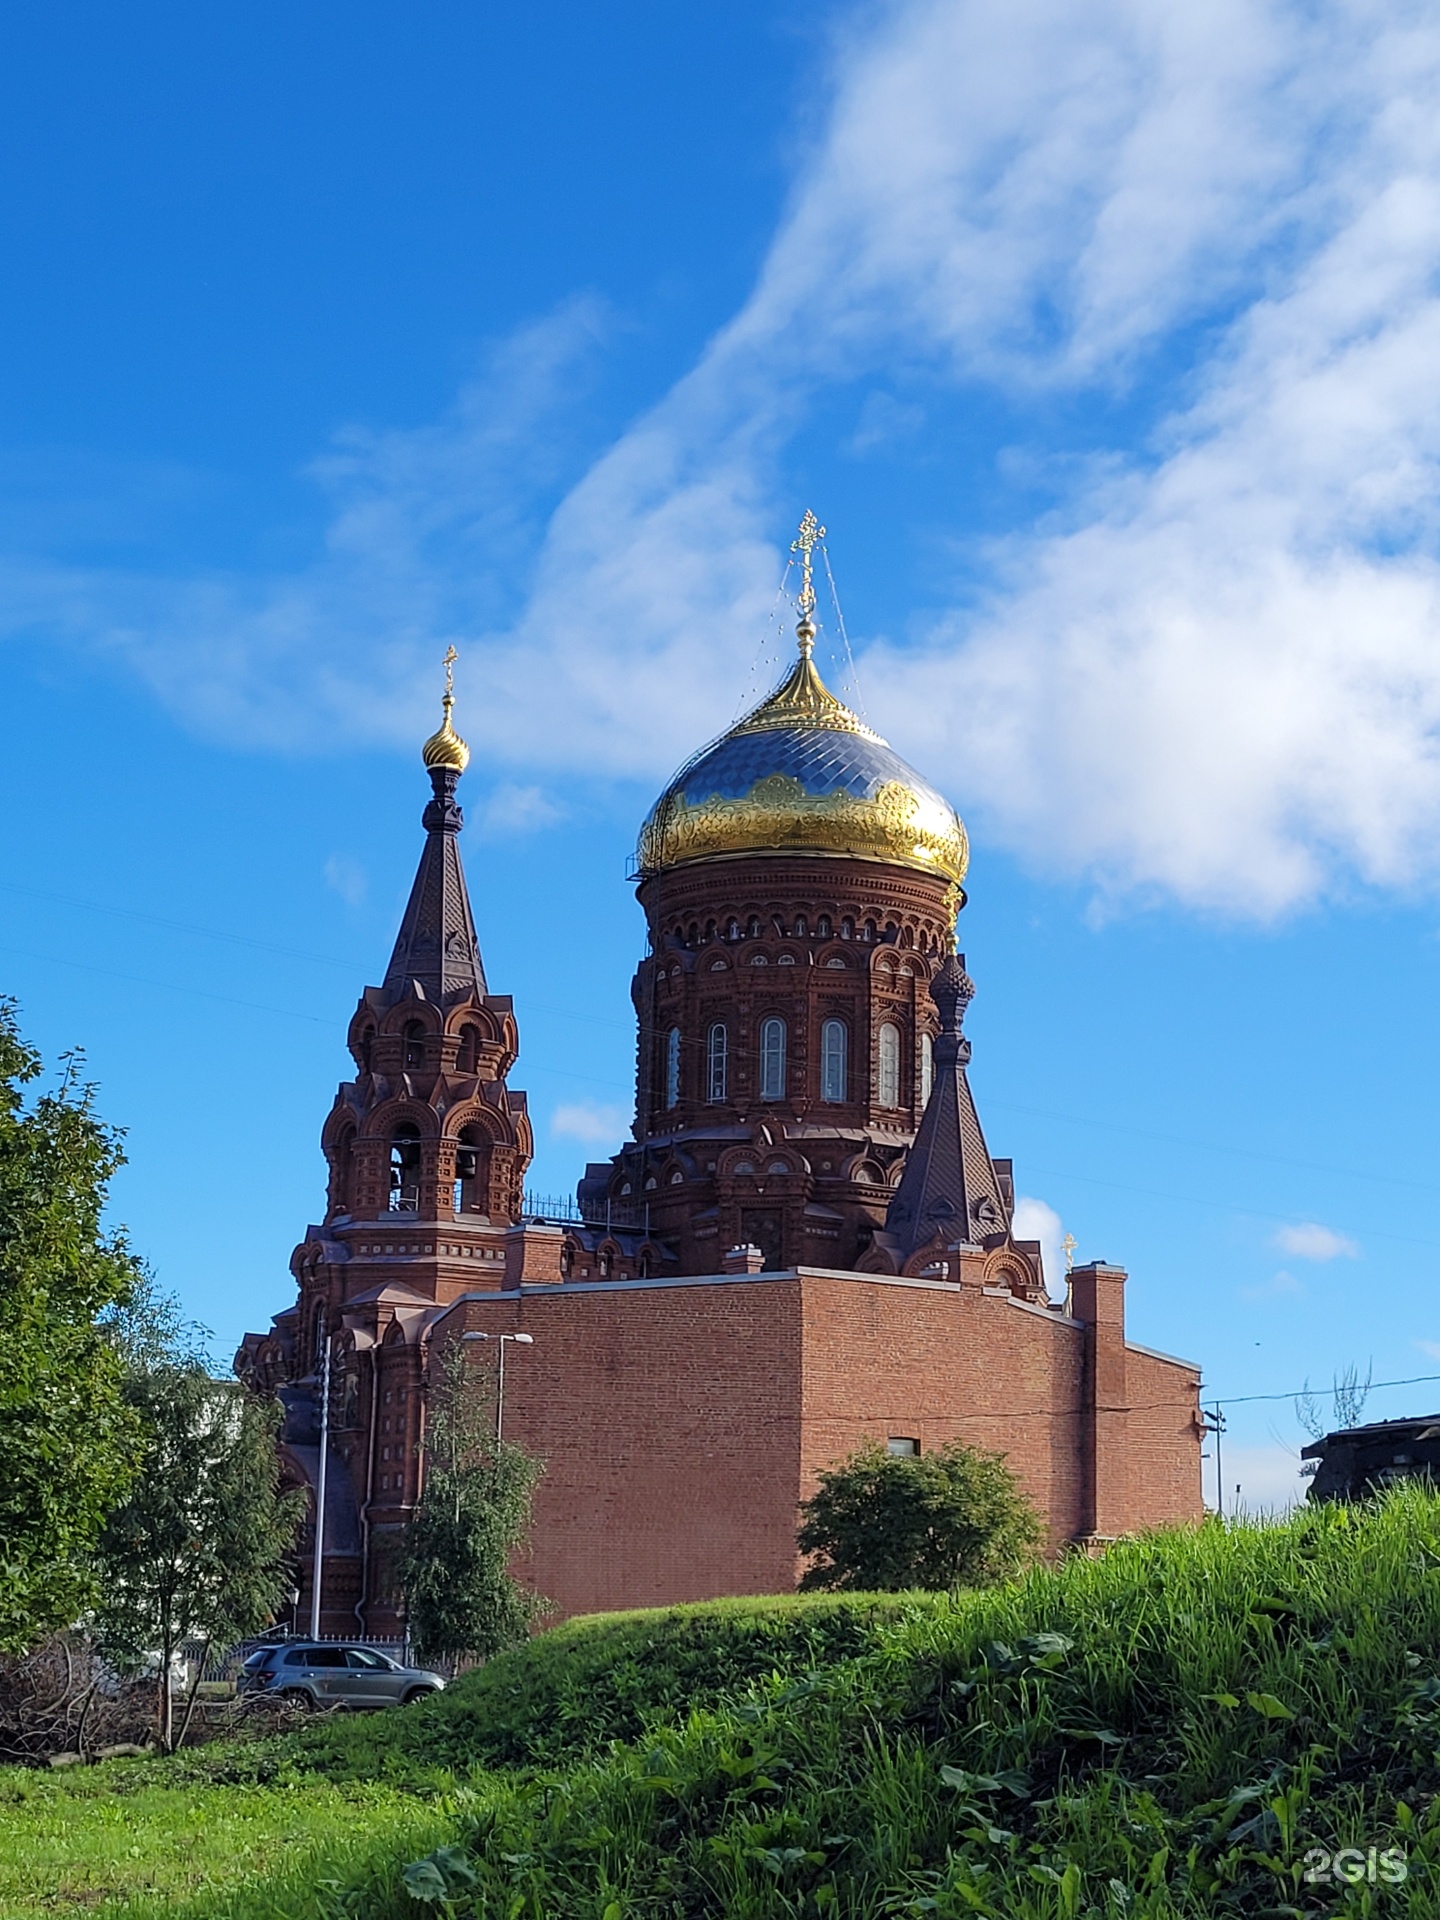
562 1209
219 1664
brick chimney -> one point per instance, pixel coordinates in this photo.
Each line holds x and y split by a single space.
532 1255
1097 1298
746 1259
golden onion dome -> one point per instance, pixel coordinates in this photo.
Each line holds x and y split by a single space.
445 748
803 774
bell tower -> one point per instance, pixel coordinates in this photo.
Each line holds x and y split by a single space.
427 1148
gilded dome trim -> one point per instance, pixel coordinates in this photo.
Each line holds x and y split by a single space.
803 700
895 824
802 774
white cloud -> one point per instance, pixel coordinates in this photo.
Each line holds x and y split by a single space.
511 809
1308 1240
1037 1220
346 876
1280 1286
593 1124
1211 674
1430 1348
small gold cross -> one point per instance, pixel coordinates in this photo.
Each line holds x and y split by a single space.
810 531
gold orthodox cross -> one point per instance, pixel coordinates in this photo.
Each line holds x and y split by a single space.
810 531
451 656
1068 1246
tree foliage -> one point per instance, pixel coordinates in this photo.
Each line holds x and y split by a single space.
453 1564
68 1439
957 1517
197 1549
1348 1394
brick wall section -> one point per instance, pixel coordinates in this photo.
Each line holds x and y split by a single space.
682 1423
668 1417
935 1362
1163 1439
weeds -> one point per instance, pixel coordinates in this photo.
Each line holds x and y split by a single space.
1232 1720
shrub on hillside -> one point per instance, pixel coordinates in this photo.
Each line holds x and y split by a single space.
886 1523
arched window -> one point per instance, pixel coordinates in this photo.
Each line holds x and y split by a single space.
847 929
802 927
405 1169
772 1059
732 930
832 1060
469 1197
414 1043
367 1041
717 1061
672 1067
467 1060
754 926
343 1177
927 1067
888 1090
822 926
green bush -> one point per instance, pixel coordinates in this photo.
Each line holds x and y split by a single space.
880 1522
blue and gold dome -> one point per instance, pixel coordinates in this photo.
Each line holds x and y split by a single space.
803 774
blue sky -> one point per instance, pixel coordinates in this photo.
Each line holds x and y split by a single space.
1102 337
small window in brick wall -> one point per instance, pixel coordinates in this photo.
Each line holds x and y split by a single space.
902 1447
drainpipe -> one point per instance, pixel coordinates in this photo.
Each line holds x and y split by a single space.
317 1570
362 1604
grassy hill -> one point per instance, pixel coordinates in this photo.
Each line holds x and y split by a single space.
1187 1727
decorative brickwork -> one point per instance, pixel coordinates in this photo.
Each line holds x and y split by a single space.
807 1244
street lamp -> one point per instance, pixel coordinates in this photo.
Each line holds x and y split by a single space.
521 1340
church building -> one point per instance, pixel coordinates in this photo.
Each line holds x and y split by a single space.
805 1244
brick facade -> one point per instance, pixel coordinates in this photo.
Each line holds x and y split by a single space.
798 1251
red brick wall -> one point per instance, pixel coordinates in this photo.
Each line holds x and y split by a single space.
940 1363
1164 1440
682 1424
669 1421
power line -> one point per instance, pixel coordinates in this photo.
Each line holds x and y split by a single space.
178 926
1373 1386
750 1054
1211 1146
1210 1206
168 986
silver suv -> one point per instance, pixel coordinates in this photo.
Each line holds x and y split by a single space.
311 1673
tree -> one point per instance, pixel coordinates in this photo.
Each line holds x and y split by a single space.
453 1564
197 1549
1348 1394
68 1439
880 1522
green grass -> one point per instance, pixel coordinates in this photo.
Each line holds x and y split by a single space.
608 1677
71 1844
1158 1735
